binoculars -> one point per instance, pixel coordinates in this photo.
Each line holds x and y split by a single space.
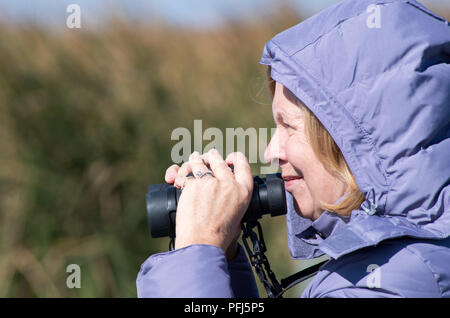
268 197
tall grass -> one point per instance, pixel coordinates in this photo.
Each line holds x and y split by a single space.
85 128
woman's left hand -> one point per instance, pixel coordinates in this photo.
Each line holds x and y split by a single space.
211 208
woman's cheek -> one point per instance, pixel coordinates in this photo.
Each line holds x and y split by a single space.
294 152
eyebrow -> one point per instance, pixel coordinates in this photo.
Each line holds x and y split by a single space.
280 116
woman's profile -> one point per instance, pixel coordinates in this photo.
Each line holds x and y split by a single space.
361 96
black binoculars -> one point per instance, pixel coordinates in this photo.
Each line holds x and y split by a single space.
268 197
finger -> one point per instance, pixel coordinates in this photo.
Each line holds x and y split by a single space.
171 173
219 166
205 160
184 170
242 170
197 163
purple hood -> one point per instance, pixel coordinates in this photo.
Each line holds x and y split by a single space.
378 78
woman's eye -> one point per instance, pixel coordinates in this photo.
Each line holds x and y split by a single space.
285 125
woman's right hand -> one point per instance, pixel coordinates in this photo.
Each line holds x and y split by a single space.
211 210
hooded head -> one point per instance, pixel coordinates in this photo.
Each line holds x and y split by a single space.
377 76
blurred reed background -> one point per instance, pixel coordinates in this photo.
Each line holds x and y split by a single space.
85 126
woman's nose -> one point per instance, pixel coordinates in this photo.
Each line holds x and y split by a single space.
274 150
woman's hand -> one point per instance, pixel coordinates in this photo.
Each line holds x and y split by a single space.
211 208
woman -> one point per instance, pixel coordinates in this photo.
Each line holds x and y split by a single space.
361 103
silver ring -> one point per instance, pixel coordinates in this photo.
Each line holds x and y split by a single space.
201 174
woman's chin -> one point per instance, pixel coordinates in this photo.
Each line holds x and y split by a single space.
302 199
304 213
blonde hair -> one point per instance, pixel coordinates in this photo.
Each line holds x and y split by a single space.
330 156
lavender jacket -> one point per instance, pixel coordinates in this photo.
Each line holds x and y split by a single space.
377 75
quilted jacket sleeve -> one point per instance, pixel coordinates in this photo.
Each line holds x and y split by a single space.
196 271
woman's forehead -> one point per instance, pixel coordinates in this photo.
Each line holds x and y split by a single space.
285 102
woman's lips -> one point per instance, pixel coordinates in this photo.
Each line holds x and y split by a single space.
291 181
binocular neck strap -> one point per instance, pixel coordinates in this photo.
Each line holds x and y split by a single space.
261 264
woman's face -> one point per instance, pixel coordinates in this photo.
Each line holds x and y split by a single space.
305 177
